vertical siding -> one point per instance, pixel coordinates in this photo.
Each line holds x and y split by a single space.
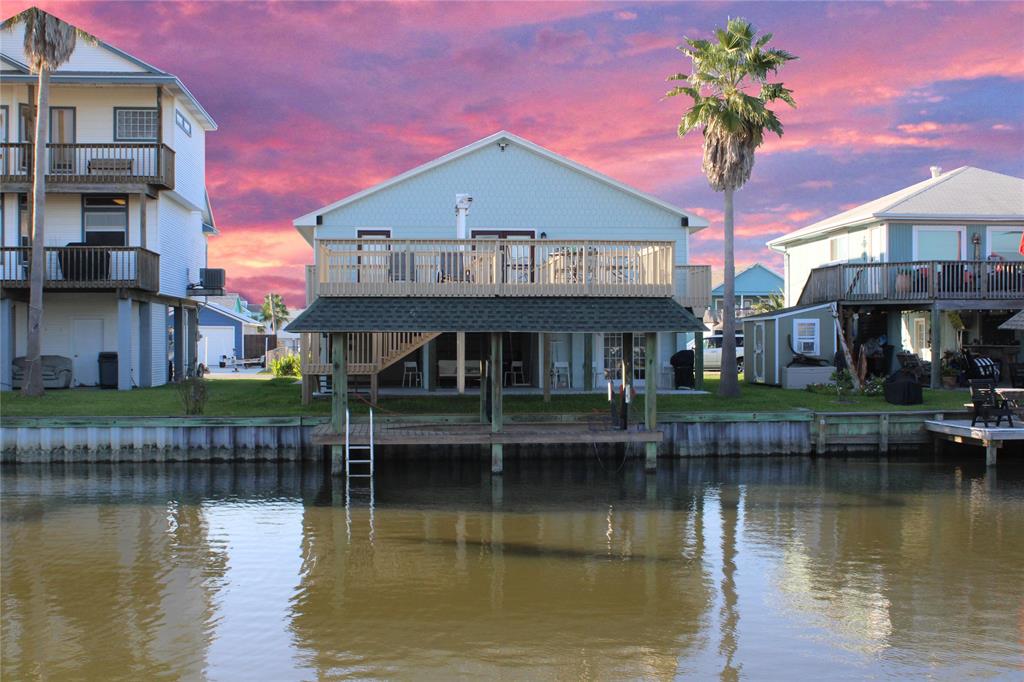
159 348
901 242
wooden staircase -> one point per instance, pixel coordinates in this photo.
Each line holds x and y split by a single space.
369 354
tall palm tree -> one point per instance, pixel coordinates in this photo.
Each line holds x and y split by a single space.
274 310
49 43
730 92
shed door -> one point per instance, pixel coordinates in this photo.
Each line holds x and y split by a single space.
759 359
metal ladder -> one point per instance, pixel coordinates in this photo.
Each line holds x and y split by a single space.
349 448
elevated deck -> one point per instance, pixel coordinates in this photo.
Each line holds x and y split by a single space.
990 438
481 434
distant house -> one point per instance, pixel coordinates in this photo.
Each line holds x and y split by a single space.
127 215
754 284
933 267
222 333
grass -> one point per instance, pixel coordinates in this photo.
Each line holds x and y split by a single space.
263 396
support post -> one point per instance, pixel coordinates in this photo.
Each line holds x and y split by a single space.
651 397
460 362
497 455
374 387
990 452
936 376
485 392
179 342
428 355
339 397
192 323
698 360
124 344
588 362
6 343
145 344
627 378
883 432
546 366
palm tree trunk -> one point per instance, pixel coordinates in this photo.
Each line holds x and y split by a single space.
33 384
730 386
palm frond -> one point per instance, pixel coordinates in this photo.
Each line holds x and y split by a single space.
49 41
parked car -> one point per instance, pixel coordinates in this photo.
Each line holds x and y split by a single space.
713 352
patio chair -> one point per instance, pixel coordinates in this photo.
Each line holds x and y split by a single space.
560 373
515 375
988 404
411 373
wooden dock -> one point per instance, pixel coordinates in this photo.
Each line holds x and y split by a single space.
481 434
990 438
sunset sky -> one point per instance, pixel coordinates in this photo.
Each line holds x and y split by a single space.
318 100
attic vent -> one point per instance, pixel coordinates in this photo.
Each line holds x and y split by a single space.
936 171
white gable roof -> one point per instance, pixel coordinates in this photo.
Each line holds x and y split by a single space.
94 64
307 222
966 193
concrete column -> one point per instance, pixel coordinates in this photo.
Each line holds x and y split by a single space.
651 399
698 360
192 349
546 365
588 362
427 355
124 344
497 411
936 377
894 333
460 362
6 343
145 379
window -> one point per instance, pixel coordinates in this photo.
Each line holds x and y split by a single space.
940 242
135 124
613 356
105 220
182 122
837 248
1004 242
805 336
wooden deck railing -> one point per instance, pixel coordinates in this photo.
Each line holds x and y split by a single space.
99 163
368 352
915 281
693 287
493 267
84 267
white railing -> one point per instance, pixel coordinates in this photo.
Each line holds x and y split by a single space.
494 267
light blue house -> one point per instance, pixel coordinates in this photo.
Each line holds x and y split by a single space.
754 284
502 217
933 267
222 332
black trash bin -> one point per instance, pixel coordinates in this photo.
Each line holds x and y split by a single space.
108 370
902 389
682 366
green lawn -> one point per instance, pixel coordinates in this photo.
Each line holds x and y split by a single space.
253 396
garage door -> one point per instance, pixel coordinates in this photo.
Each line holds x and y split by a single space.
215 342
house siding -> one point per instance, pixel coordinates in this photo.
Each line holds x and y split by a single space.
190 154
182 246
514 189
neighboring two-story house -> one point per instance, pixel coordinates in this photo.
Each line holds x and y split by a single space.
506 219
933 267
127 214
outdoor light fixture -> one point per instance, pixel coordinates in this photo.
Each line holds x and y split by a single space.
502 144
543 235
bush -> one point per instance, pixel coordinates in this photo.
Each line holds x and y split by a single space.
286 366
193 395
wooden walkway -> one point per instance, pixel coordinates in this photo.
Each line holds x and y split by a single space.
990 438
480 434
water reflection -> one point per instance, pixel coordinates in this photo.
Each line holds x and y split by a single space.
713 568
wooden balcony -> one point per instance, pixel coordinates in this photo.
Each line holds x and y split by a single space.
114 165
501 267
915 281
83 267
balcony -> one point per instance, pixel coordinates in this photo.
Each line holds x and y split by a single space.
107 165
504 267
914 281
83 267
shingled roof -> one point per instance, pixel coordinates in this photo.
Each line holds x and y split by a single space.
495 314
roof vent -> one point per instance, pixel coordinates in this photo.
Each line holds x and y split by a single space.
936 171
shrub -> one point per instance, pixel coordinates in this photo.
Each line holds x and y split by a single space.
286 366
193 395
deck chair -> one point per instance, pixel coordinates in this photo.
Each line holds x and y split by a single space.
988 404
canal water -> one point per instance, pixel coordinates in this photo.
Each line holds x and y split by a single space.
766 568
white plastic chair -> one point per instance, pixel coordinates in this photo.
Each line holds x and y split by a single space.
411 373
560 373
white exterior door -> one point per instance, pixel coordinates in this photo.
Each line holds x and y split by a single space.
216 341
86 345
759 352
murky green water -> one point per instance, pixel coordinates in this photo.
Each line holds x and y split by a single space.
757 569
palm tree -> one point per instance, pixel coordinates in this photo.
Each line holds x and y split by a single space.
730 92
49 43
770 304
273 310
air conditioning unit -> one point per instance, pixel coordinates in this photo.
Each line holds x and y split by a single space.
211 278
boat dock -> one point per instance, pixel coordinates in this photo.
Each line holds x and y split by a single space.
960 431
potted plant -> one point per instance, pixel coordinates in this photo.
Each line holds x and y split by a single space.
949 377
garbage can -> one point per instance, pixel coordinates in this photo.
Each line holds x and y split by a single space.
682 369
108 370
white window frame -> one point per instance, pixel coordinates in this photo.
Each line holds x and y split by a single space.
843 257
817 335
150 111
924 339
962 229
989 229
181 120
